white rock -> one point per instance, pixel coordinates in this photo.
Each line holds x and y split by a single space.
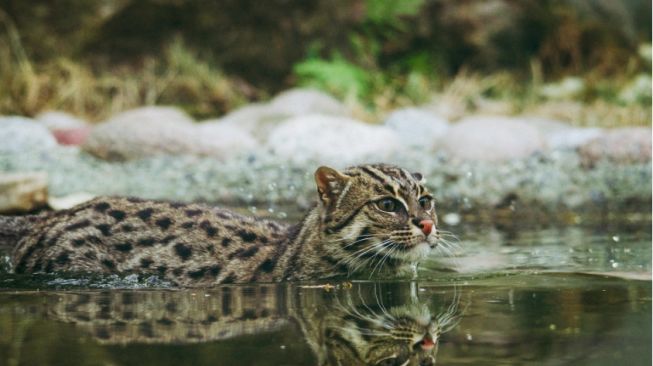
559 135
261 118
485 138
152 114
257 119
571 138
302 101
417 127
336 141
69 201
57 120
229 139
20 134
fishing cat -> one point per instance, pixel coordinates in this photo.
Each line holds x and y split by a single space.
369 218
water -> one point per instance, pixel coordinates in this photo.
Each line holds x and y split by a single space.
513 294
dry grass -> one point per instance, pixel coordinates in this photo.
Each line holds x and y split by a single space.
597 105
178 78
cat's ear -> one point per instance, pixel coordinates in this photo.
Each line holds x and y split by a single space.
418 176
330 184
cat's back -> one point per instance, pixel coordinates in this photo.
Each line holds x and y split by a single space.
111 234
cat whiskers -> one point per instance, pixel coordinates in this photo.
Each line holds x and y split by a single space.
388 253
354 261
450 318
359 262
448 243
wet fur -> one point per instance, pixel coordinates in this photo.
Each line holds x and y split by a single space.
345 234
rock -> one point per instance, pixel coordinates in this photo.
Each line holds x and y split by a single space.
329 140
156 131
620 145
73 136
572 137
225 138
484 138
417 128
302 101
69 201
142 132
261 118
257 119
153 114
559 135
66 128
20 134
23 192
57 120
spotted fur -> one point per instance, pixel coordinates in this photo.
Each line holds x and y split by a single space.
349 232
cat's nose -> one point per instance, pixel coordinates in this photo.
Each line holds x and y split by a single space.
426 226
427 343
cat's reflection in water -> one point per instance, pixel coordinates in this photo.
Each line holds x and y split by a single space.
374 329
367 324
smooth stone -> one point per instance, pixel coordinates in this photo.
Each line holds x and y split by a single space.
261 118
559 135
57 120
66 128
620 145
302 101
258 119
69 201
492 139
23 192
20 134
71 136
228 139
141 133
153 131
417 127
153 114
337 141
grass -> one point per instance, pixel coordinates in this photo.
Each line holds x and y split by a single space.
179 77
592 99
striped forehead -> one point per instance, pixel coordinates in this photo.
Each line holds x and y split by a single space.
390 179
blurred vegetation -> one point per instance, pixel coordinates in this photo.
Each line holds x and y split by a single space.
586 61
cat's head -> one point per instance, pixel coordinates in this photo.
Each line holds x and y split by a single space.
376 214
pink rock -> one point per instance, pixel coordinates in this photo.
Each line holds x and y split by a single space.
71 136
620 145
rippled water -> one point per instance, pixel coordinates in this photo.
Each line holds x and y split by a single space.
512 294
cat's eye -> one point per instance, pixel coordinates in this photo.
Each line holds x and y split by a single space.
426 203
388 205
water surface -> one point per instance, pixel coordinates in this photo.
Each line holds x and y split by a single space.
515 294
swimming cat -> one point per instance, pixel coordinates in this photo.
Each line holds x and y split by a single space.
368 219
